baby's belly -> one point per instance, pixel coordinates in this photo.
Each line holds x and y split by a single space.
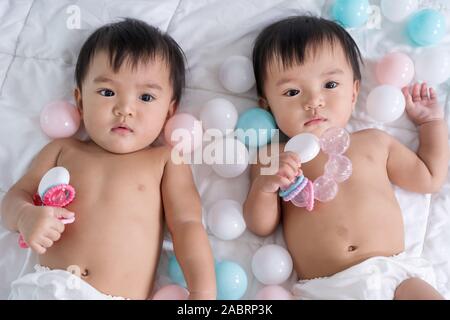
114 247
340 234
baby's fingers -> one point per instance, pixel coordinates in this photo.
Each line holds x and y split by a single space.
287 171
433 95
53 235
407 95
282 182
36 247
416 92
424 91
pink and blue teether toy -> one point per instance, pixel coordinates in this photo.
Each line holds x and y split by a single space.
334 142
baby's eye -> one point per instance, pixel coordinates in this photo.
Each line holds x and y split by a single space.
146 97
106 92
292 92
331 85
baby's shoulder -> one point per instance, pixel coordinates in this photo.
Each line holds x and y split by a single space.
158 153
372 136
59 145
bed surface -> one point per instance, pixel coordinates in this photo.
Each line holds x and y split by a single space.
37 59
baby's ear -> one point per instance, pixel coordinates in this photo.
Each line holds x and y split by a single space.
172 108
78 100
263 103
356 86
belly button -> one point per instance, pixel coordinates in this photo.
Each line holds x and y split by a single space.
352 248
85 273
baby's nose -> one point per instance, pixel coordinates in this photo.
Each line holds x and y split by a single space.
313 106
124 109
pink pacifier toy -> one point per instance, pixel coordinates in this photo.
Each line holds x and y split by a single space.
334 142
54 190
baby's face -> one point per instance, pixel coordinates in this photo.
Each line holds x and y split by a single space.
321 88
125 111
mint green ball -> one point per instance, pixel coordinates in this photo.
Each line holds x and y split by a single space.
259 122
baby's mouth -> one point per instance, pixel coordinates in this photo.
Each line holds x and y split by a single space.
122 129
314 121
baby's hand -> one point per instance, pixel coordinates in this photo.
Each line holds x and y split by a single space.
40 226
288 170
422 105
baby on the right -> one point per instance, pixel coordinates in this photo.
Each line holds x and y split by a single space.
308 76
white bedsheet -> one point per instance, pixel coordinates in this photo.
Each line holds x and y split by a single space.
37 58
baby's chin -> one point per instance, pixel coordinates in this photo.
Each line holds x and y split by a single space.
121 147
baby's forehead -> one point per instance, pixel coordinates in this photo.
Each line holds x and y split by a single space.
154 70
315 57
106 60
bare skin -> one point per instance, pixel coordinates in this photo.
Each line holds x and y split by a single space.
364 220
125 190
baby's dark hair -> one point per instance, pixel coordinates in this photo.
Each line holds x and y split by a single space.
137 41
288 40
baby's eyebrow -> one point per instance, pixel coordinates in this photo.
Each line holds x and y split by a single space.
332 72
103 79
283 81
152 86
146 85
326 73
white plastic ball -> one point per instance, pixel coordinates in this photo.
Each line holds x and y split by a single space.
398 10
219 114
236 74
432 66
53 177
230 157
306 145
385 103
272 264
225 220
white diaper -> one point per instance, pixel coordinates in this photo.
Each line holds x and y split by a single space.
373 279
47 284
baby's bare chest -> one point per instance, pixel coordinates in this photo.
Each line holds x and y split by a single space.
113 177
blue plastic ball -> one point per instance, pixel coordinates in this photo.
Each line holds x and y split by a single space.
426 27
231 280
350 13
175 272
256 119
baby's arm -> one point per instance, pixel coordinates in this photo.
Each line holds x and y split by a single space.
425 171
38 225
262 206
183 213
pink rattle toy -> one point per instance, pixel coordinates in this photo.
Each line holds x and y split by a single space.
334 142
54 190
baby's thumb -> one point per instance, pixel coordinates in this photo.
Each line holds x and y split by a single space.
407 95
61 213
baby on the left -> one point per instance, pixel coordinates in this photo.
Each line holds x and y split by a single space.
129 80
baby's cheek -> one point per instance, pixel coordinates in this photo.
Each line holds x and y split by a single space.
290 125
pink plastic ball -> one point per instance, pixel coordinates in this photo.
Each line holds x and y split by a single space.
325 189
183 132
171 292
273 293
334 140
396 69
60 119
338 168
